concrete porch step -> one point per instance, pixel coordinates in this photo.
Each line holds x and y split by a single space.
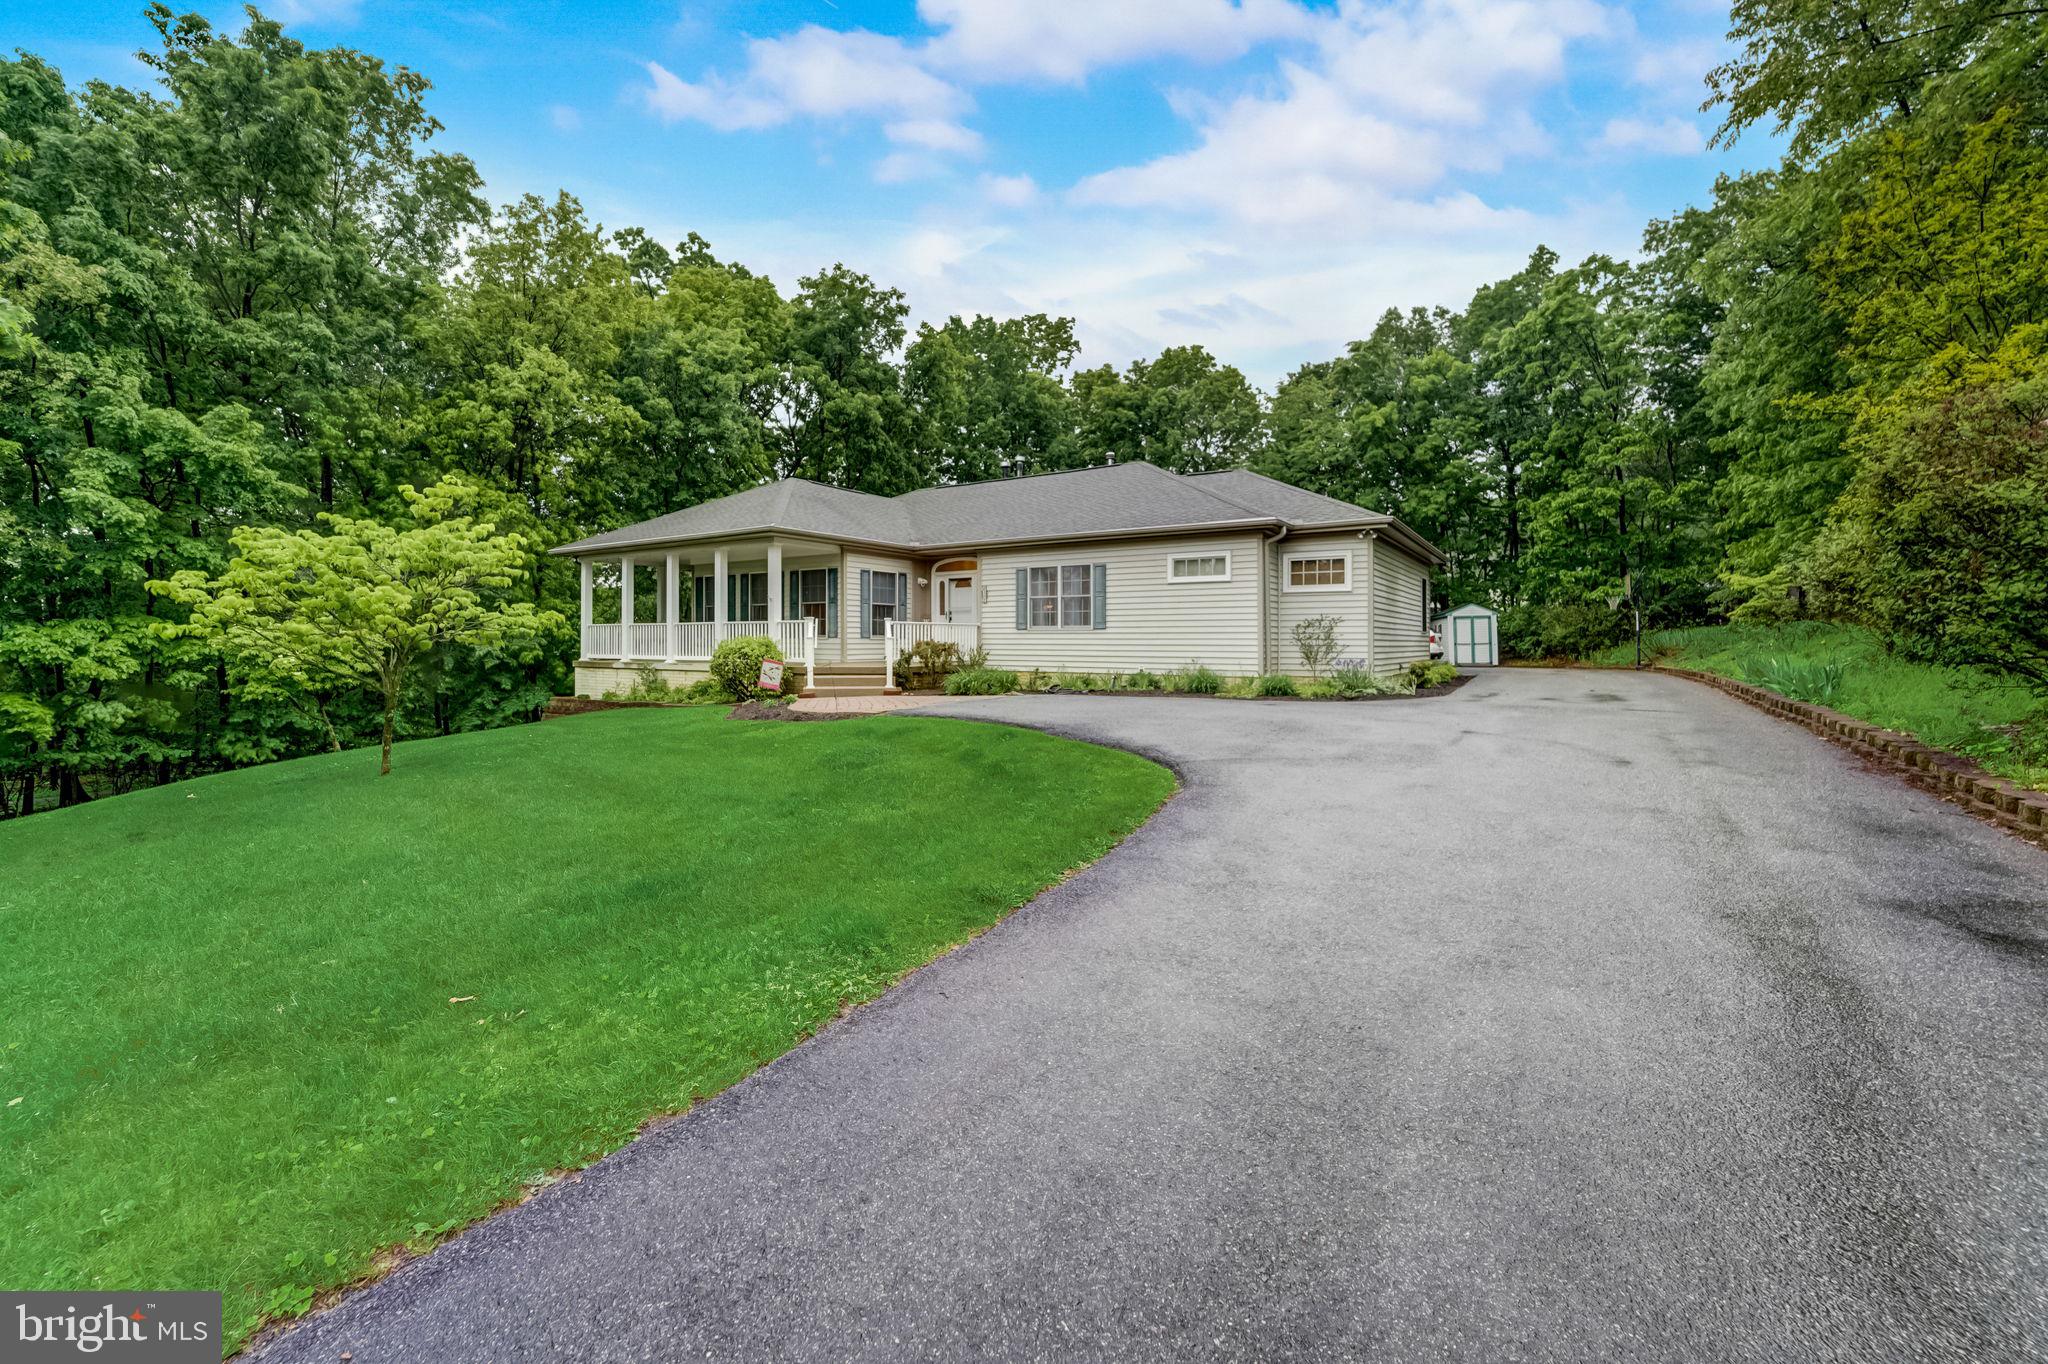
827 690
849 670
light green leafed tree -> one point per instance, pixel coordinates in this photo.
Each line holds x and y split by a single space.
362 605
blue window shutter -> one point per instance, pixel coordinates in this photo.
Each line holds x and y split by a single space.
831 603
792 607
867 580
1098 578
903 596
1023 599
703 599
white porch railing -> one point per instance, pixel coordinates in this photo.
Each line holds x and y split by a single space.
693 641
900 636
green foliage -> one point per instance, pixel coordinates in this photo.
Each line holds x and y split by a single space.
1802 679
1143 680
308 616
981 682
1430 672
1183 411
1196 679
1315 638
609 985
1275 684
1942 543
736 665
1350 682
925 664
706 691
1575 630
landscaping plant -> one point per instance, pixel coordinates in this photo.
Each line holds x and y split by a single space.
1196 679
736 665
1316 640
357 608
1275 684
981 682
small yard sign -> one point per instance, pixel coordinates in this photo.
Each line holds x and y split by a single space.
771 675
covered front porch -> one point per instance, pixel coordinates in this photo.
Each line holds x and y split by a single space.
829 608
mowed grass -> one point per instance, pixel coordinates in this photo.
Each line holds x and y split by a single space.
261 1026
1965 710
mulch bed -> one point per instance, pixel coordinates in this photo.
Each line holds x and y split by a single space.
755 710
1442 690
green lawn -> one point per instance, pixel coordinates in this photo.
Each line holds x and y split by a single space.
1964 710
231 1054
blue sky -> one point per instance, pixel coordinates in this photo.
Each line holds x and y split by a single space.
1263 177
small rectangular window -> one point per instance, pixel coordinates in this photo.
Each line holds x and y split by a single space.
1317 573
1198 568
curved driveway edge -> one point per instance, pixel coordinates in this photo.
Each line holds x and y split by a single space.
1552 1019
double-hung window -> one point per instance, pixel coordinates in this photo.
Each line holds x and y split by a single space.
1062 596
811 600
882 603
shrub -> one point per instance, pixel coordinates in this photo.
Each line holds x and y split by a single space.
926 663
705 691
1348 682
736 664
1316 639
975 658
1196 679
1143 680
1560 630
1430 672
981 682
649 685
1275 684
1802 679
1077 682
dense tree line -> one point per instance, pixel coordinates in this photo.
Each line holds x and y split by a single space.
257 295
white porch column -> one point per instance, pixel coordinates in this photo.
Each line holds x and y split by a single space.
625 606
583 635
720 607
774 585
673 616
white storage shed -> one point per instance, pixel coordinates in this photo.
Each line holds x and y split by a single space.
1471 636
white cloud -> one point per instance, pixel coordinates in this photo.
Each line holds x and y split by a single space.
565 119
811 73
1394 100
1670 137
934 134
1063 40
1009 191
1682 65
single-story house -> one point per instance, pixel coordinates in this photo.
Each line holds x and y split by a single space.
1116 568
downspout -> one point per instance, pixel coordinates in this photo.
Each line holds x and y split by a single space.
1371 538
1267 587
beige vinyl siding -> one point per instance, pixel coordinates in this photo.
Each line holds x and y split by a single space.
1291 608
1400 635
1151 622
855 648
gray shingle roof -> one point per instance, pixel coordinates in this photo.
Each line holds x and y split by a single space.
1109 498
1296 506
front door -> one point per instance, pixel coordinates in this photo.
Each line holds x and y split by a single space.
957 598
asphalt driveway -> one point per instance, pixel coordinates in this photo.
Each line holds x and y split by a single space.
1571 1016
